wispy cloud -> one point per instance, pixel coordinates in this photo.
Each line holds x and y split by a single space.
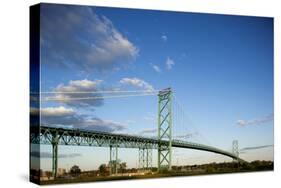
256 147
156 68
164 38
169 63
257 121
136 82
76 37
150 117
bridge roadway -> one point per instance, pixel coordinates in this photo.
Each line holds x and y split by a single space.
79 137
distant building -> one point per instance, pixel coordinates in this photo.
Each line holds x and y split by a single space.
61 171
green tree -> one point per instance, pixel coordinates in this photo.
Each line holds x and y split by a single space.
102 169
75 171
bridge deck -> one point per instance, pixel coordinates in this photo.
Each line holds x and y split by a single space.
64 136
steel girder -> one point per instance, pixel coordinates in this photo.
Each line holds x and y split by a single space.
91 138
165 129
145 158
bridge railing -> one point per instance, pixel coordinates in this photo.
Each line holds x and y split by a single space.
103 139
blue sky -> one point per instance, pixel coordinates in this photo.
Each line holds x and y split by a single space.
220 68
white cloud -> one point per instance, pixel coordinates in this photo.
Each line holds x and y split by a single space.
75 89
76 37
164 38
79 85
86 84
52 111
57 111
150 117
156 68
169 63
257 121
136 82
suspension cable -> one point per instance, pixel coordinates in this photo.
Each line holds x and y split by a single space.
95 92
94 98
184 116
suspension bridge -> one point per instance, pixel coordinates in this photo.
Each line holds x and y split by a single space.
163 142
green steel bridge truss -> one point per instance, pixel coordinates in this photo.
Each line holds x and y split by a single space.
70 137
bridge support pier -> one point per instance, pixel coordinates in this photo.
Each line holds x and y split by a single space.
165 129
145 158
235 149
113 161
54 154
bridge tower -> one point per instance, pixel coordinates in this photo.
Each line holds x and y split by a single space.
145 158
165 129
113 160
55 140
235 148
